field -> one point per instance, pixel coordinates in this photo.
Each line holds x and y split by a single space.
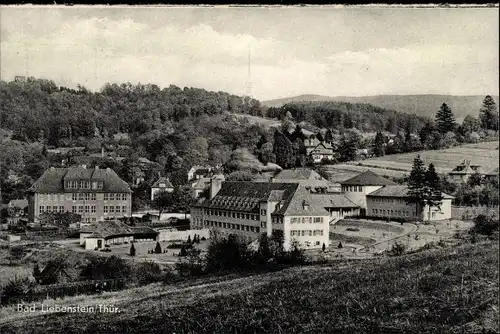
483 154
437 291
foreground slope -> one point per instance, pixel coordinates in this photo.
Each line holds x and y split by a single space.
448 290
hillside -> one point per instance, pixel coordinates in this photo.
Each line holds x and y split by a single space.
422 105
434 291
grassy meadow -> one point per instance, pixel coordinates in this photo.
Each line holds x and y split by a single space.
451 290
483 154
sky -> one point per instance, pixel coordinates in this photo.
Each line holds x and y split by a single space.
333 51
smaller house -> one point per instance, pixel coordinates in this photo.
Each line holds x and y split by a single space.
16 210
162 184
110 232
463 171
322 151
202 185
56 271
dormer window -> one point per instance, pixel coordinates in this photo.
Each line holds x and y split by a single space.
305 205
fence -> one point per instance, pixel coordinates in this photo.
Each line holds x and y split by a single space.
166 235
65 290
470 212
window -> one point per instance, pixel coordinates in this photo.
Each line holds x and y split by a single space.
310 233
117 209
73 209
433 214
247 216
93 197
80 209
87 209
307 220
124 209
257 229
54 208
105 209
80 196
294 220
111 209
303 233
87 196
74 196
106 196
111 197
263 212
99 184
251 229
317 243
318 220
247 228
42 208
61 208
94 219
124 197
85 184
263 224
92 208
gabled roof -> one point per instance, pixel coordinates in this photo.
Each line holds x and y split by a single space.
165 181
368 178
108 228
19 203
298 174
246 196
466 167
52 180
396 191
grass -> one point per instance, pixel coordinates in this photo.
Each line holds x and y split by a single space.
437 291
350 239
483 154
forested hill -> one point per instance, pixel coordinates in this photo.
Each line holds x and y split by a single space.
345 115
422 105
38 109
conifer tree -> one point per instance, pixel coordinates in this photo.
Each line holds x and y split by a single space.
416 184
323 247
36 272
132 250
445 120
189 239
328 136
488 114
378 146
158 248
433 193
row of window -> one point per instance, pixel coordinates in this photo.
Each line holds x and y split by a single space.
112 197
82 209
392 213
352 188
389 200
53 208
113 209
239 215
303 233
82 197
88 220
306 220
236 227
81 184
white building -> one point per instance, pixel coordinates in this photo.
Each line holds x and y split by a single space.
249 209
391 202
162 184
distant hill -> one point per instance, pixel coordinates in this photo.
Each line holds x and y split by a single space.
422 105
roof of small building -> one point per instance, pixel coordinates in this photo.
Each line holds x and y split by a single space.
107 228
162 180
19 203
298 174
322 148
368 178
52 180
466 167
396 191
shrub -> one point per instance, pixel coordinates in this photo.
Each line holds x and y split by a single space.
191 264
203 238
148 272
485 225
340 245
183 251
352 229
158 248
397 249
228 254
189 239
15 289
112 267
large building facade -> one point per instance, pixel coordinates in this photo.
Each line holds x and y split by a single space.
249 209
95 194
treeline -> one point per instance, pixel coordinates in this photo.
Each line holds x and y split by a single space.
344 115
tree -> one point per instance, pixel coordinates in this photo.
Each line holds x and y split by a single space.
378 145
36 272
340 244
164 201
183 251
347 147
445 120
157 248
488 114
328 136
470 124
416 184
189 240
323 247
433 192
132 250
475 180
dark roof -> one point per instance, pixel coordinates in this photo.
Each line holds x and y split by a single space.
396 191
298 174
246 196
368 178
163 180
143 230
466 167
52 180
108 228
52 270
20 203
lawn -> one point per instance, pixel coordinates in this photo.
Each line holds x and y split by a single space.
484 154
452 290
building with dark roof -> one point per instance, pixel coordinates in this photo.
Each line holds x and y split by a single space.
308 178
249 209
95 194
358 187
162 184
391 202
111 232
463 171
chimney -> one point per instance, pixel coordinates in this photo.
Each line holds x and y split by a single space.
215 185
305 205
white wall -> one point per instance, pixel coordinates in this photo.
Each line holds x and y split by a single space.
399 208
313 240
166 235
